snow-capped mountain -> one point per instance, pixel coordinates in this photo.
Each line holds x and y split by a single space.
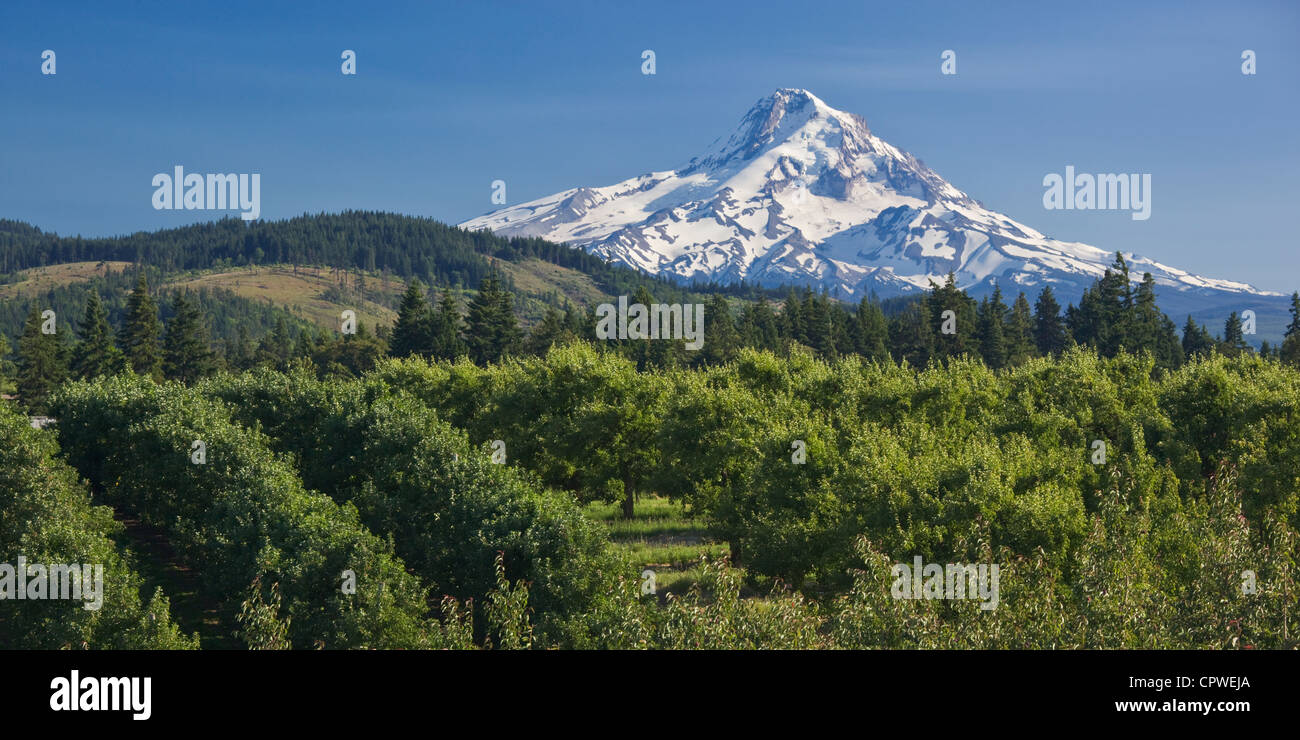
801 193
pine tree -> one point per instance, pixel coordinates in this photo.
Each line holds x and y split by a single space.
759 326
721 340
576 322
413 332
792 319
445 336
965 323
40 367
911 336
1020 332
817 323
239 351
1150 330
1115 302
1049 330
186 353
305 346
275 348
1290 351
95 354
548 332
1234 342
1196 340
141 332
873 331
991 319
491 329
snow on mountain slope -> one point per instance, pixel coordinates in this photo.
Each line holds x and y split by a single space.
804 194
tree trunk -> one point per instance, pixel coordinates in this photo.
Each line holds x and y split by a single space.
629 499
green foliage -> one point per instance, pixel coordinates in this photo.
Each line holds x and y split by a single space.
448 508
491 329
186 354
41 363
413 332
95 354
242 515
141 332
47 517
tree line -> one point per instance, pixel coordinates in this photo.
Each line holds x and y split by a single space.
1113 316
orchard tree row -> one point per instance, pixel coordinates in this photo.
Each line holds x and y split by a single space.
438 504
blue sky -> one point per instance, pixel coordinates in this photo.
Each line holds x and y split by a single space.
549 95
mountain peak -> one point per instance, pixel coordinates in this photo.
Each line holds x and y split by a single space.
801 193
784 115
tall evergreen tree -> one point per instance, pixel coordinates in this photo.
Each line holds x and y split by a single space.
141 332
95 354
1234 342
911 336
413 332
759 327
1290 350
445 337
817 323
239 351
187 355
548 332
1049 330
964 321
40 365
721 340
276 348
1150 330
1020 332
991 330
792 319
873 331
491 329
1196 340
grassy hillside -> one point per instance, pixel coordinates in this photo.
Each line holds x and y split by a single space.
312 293
43 279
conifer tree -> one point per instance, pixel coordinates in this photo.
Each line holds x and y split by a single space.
95 354
911 336
187 355
721 340
1234 342
445 337
491 331
40 365
992 326
792 319
141 332
759 327
1020 332
1049 330
548 332
1196 340
963 321
413 332
275 348
873 331
1150 330
1290 350
816 323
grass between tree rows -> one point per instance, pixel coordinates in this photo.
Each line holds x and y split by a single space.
662 537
